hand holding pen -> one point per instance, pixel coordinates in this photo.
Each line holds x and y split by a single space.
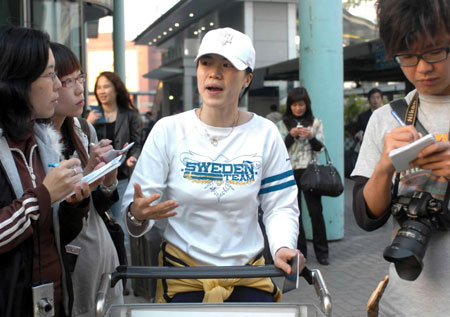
97 151
397 137
61 179
99 154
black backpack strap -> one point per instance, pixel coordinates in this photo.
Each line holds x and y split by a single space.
400 106
85 128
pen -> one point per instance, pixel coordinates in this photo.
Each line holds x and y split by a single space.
399 120
53 165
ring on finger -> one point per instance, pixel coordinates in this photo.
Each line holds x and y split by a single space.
74 169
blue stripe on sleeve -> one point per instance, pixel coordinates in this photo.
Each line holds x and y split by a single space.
277 187
276 177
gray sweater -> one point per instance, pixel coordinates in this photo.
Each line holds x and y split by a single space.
98 255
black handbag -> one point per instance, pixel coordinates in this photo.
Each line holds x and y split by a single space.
117 236
323 180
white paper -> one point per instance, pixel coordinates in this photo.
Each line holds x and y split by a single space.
401 157
102 171
114 153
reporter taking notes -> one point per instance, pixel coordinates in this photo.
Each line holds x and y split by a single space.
416 33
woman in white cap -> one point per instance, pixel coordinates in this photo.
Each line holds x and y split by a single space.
207 170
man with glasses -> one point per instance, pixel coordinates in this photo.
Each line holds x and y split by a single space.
416 33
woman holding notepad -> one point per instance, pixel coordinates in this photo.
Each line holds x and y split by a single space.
94 252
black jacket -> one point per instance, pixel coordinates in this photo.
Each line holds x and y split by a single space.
128 128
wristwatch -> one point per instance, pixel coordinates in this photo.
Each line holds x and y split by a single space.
108 190
133 219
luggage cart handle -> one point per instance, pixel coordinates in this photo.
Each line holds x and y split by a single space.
197 272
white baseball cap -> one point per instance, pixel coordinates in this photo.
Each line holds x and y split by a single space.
231 44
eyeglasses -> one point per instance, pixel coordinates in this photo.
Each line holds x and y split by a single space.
70 82
433 56
52 75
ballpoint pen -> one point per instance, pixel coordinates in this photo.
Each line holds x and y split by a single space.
399 120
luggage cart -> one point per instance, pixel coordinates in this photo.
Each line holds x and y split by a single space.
313 277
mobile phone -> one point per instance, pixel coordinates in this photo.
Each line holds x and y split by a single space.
299 125
99 109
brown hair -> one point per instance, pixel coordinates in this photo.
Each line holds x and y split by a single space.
123 97
67 63
405 22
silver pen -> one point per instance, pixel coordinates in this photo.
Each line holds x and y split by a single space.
399 120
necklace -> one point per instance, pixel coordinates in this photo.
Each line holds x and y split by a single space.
215 139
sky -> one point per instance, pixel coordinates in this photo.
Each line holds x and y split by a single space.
139 14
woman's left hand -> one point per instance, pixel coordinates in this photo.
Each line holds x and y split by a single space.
284 255
131 161
111 177
82 191
305 133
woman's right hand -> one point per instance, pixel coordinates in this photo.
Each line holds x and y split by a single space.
294 132
96 153
60 181
93 116
142 208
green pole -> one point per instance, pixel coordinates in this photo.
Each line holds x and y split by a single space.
119 39
321 73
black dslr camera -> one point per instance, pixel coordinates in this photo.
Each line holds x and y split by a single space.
417 215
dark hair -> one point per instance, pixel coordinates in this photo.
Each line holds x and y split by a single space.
123 98
274 107
248 71
67 63
374 91
405 22
24 56
296 95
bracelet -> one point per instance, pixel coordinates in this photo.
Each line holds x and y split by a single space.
108 190
133 219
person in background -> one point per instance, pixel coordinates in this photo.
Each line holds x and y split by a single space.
97 253
123 125
207 170
149 123
274 114
303 136
37 215
416 33
375 97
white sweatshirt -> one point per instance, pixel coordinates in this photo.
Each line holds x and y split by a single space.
219 188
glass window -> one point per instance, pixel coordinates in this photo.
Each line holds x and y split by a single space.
10 13
60 19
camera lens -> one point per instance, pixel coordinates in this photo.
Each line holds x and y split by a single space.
408 249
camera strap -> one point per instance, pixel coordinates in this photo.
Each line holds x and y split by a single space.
409 115
409 112
39 251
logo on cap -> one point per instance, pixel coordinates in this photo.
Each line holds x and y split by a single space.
226 38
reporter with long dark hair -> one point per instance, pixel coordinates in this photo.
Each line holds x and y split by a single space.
34 227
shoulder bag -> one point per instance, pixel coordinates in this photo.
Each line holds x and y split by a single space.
323 180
